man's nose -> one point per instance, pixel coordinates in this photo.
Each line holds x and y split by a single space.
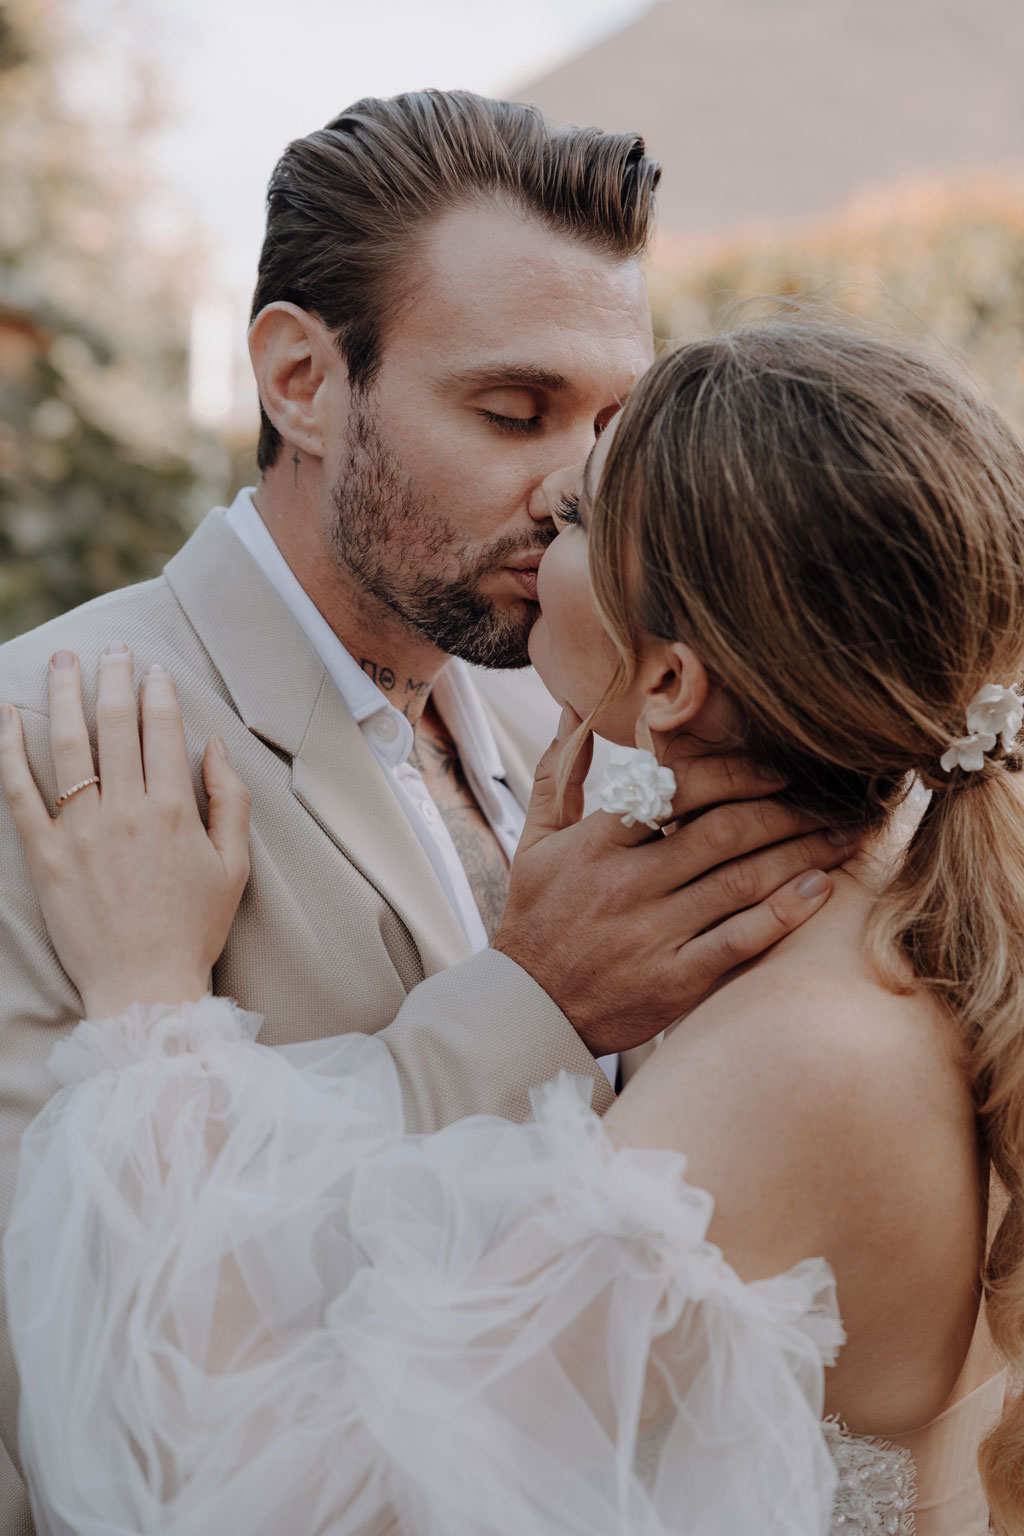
561 485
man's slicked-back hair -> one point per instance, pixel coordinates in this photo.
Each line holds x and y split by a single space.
347 204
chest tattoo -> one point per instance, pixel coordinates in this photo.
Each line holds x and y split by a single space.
435 757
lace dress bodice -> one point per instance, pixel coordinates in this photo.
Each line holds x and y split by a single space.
875 1488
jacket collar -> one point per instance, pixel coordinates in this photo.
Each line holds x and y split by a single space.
283 695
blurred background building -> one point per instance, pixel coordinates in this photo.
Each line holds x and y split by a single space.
865 152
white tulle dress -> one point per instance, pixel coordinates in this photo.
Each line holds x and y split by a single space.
243 1300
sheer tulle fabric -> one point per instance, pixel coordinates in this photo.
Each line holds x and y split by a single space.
242 1299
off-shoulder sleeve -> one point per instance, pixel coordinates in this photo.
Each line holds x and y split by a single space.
244 1299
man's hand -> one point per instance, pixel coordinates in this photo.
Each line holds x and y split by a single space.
627 929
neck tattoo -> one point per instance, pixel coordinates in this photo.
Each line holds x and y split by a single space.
296 461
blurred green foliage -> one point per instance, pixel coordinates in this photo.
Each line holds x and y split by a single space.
95 447
939 260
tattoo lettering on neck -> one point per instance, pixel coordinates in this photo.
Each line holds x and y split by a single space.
387 678
384 677
296 461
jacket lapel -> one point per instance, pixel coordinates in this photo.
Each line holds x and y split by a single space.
284 696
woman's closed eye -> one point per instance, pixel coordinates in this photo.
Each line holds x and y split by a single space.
567 512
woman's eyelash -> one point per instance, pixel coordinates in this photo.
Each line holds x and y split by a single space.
568 509
512 423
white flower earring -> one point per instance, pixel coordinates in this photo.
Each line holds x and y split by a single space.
636 785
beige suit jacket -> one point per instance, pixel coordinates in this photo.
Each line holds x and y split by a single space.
344 925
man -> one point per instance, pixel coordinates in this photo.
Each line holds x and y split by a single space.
449 309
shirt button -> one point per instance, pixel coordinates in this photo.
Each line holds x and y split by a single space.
385 727
429 810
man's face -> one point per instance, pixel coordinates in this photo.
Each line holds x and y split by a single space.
518 346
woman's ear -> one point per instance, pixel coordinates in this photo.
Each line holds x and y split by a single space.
293 358
676 686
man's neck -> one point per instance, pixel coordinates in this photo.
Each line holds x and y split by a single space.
402 665
404 689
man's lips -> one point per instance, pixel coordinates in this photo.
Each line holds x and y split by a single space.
524 572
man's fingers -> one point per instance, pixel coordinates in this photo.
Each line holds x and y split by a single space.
117 725
705 781
748 934
549 811
230 810
69 737
729 832
746 882
164 752
702 782
29 814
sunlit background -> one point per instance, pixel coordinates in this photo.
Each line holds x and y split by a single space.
867 152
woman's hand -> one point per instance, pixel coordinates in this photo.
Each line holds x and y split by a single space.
137 894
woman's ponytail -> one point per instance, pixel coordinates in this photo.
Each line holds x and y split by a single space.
956 910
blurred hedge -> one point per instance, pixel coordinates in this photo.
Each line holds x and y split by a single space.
939 260
98 461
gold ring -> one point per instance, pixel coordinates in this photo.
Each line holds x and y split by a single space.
64 798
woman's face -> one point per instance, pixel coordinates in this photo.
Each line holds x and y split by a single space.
569 645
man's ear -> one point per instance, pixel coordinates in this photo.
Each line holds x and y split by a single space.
677 686
294 359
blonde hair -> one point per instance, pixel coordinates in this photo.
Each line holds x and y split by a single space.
835 524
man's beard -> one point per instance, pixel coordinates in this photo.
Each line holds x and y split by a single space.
386 537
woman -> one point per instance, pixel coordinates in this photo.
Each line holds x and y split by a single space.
241 1299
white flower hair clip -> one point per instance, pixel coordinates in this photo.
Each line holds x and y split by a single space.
994 715
636 784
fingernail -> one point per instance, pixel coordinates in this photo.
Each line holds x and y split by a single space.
155 670
63 661
117 649
813 885
6 717
219 745
839 838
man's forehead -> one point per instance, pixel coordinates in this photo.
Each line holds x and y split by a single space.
487 269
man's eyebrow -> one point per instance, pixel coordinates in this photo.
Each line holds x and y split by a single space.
518 375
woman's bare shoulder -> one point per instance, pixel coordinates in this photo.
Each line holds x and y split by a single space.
809 1100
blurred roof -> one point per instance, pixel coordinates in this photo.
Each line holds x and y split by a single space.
778 109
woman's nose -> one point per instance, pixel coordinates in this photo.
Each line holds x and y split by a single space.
561 485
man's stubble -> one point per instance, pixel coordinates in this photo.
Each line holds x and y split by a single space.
385 536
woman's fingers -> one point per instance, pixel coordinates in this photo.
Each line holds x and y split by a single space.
69 737
227 822
164 752
117 726
29 814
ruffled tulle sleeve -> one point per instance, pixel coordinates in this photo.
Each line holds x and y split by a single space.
244 1300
